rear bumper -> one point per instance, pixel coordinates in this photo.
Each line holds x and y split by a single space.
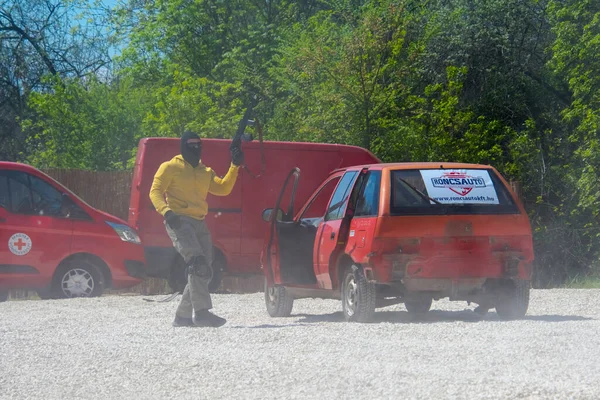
496 265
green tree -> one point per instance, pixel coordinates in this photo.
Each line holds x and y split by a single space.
87 124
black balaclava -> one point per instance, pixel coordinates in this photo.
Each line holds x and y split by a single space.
190 154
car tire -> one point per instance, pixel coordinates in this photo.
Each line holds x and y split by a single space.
515 302
358 296
77 278
418 307
279 303
178 274
3 295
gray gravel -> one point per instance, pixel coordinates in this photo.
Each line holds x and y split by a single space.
117 347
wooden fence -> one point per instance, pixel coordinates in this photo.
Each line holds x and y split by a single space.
106 191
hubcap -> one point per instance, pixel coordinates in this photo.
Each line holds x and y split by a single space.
77 283
351 295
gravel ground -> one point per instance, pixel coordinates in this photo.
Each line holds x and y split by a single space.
119 347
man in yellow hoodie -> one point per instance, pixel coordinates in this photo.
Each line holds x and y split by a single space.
185 182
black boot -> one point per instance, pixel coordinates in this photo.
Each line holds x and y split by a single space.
206 318
181 321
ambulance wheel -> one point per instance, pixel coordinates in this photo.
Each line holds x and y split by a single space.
514 303
417 307
3 295
178 275
45 294
358 296
278 302
77 277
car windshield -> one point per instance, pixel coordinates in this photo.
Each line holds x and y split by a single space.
449 191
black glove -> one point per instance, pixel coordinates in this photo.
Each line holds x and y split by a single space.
237 156
173 220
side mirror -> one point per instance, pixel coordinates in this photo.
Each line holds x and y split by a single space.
266 215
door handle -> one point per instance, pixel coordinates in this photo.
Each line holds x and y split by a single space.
332 235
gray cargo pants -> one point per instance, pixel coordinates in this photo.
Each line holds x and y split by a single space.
193 239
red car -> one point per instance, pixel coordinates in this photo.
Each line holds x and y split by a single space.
377 235
53 242
235 220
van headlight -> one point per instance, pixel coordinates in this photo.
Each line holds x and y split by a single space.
125 233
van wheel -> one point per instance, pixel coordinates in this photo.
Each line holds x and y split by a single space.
514 303
358 296
218 266
178 275
3 295
278 302
417 307
45 294
77 278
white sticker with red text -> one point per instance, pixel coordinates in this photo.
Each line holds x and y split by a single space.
19 244
464 186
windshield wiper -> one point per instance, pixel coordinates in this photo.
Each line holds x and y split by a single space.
423 195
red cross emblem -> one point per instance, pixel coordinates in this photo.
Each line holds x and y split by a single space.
20 244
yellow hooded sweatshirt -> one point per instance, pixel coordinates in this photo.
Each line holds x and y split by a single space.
186 187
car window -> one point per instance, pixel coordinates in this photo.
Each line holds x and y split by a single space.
340 196
46 199
318 205
4 193
367 203
20 197
452 191
27 194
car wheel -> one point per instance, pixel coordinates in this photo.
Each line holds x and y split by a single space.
277 300
416 307
515 301
3 295
78 278
358 296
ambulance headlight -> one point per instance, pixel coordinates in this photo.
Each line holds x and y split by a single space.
125 233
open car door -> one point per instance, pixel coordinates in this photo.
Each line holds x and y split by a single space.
278 219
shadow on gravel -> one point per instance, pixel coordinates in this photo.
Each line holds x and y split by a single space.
269 326
555 318
434 316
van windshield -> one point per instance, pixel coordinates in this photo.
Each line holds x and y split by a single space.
449 191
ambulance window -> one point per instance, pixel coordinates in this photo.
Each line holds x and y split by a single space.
4 196
20 195
46 199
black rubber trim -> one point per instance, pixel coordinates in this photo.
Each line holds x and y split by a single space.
226 210
18 269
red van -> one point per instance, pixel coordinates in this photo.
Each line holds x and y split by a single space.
378 235
53 242
235 220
